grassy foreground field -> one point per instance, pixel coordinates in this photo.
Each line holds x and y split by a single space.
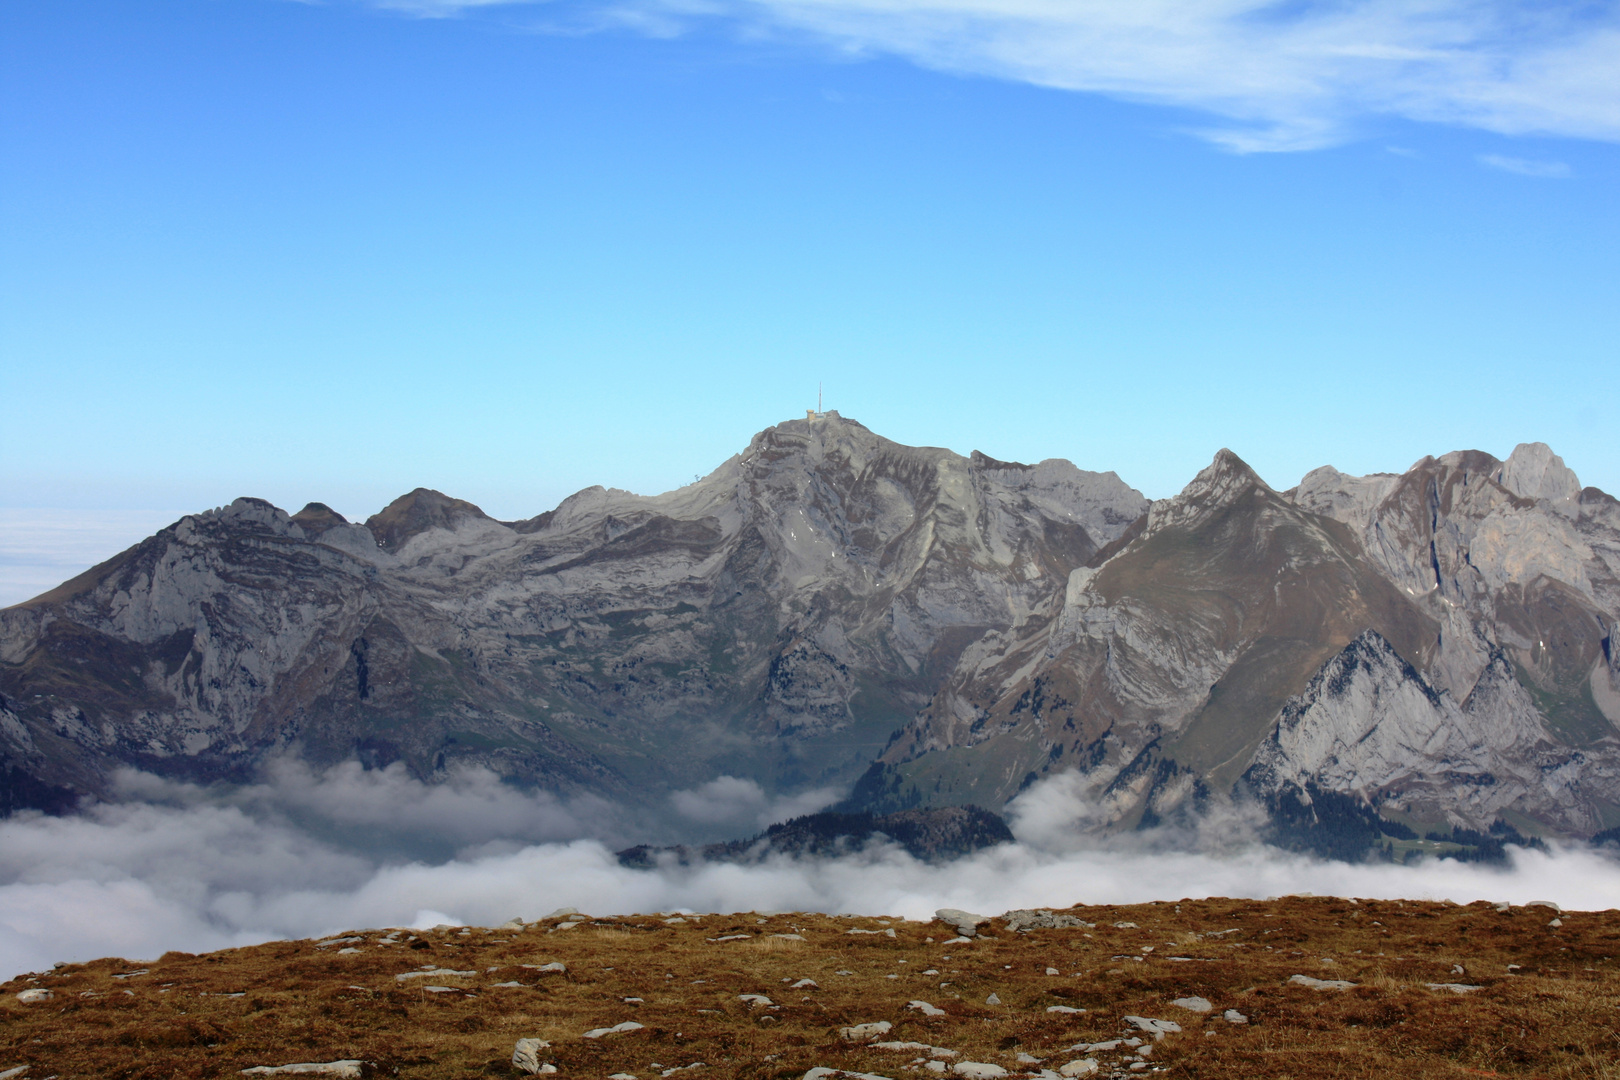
1546 1001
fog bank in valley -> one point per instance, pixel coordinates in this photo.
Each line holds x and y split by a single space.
303 854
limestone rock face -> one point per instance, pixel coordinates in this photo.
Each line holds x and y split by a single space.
1370 725
829 608
777 619
1167 661
1437 645
1533 471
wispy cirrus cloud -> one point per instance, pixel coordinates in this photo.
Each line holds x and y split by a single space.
1544 170
1272 76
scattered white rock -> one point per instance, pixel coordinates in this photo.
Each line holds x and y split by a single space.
865 1032
1126 926
1027 1059
621 1076
1545 904
1320 984
925 1008
932 1051
1556 922
805 984
1232 1016
440 973
350 951
526 1056
821 1072
993 999
1455 988
616 1029
546 969
1082 1067
16 1070
966 922
1053 971
1067 1009
329 942
1042 919
730 937
34 996
789 937
751 1000
308 1068
978 1070
506 986
1158 1028
959 941
560 913
131 974
1193 1004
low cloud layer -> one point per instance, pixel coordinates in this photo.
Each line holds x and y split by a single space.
40 549
305 854
743 804
1265 75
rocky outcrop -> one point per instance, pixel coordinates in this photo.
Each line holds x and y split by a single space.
1165 665
932 835
777 619
830 608
1370 725
1436 644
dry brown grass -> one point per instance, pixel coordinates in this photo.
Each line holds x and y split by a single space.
1556 1017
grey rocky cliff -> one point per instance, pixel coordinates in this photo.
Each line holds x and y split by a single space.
1436 644
777 619
1369 725
829 606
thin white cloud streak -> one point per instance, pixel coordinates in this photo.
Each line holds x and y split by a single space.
734 801
41 548
1281 76
1542 170
137 879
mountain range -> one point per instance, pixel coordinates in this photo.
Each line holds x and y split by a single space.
831 610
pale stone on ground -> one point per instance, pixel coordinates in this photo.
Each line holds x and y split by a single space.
308 1068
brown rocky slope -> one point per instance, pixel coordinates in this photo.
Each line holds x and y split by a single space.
1297 987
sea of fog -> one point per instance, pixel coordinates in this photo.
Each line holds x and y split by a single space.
301 854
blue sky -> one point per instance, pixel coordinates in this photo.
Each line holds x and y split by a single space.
334 251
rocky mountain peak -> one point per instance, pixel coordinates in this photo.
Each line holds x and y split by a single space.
1535 472
828 593
415 513
316 518
1221 484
